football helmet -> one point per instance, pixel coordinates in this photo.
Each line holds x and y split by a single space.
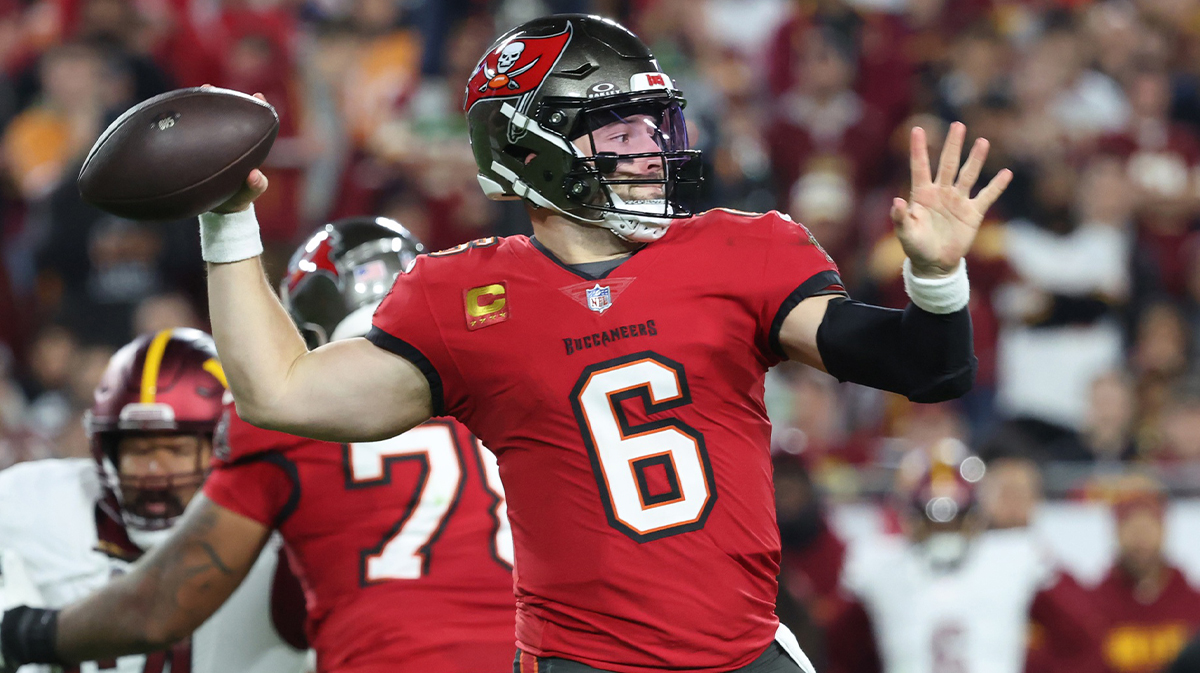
556 79
945 491
170 382
337 278
939 489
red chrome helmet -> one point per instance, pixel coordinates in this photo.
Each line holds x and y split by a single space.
166 383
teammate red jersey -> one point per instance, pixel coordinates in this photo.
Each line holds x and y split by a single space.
639 489
402 545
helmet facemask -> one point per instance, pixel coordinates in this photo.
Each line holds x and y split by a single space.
637 160
626 166
161 396
151 500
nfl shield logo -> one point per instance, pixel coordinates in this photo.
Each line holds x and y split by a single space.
599 298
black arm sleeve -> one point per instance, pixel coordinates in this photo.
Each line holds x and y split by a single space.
924 356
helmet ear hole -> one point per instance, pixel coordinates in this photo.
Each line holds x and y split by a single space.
522 154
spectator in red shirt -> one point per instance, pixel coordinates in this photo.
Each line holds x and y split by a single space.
823 115
1062 628
1148 608
1162 159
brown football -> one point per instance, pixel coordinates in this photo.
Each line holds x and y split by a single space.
178 154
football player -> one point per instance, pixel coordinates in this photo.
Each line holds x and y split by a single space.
948 595
614 362
69 527
402 545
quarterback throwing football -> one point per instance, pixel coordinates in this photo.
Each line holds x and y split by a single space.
614 361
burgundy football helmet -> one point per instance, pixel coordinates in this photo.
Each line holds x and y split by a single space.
941 485
339 275
166 383
939 491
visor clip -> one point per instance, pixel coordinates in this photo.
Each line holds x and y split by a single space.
556 119
578 189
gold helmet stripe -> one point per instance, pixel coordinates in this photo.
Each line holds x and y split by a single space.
212 366
154 358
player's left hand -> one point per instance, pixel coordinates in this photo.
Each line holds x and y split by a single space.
938 223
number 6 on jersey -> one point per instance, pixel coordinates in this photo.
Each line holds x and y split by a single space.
655 478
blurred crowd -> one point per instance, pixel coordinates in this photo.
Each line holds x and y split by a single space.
1085 277
959 578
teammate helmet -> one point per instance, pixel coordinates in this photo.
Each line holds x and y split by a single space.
555 79
341 273
170 382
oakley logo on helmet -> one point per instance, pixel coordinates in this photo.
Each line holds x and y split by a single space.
602 89
516 67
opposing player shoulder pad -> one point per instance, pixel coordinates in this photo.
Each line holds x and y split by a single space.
870 560
46 506
37 481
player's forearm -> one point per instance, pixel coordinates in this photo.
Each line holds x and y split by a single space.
257 342
170 592
924 356
128 616
114 622
341 392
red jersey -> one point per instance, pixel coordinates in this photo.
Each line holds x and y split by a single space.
627 416
402 545
1141 637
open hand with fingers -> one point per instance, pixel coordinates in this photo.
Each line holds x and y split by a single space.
938 223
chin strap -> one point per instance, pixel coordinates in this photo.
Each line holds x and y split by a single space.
147 539
638 228
634 230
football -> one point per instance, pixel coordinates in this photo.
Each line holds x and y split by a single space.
178 154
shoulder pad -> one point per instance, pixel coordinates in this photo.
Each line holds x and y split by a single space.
235 439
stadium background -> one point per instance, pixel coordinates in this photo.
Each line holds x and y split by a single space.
1085 277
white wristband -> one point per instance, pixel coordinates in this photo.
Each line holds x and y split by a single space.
229 238
938 295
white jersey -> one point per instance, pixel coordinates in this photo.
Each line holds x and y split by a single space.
47 516
972 619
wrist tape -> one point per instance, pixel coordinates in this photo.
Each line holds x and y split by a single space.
229 238
938 295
